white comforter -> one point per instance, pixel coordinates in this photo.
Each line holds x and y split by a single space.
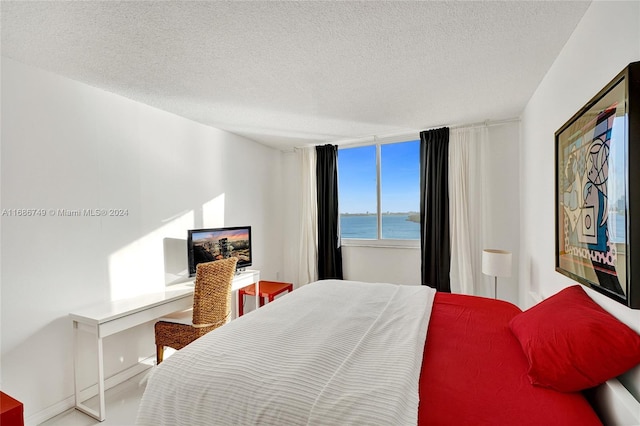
329 353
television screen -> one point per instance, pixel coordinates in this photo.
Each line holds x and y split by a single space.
207 245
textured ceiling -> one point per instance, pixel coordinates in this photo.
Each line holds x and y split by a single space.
296 73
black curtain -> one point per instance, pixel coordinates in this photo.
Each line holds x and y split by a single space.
434 209
329 251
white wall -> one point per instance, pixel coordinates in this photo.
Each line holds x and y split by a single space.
66 145
381 264
603 43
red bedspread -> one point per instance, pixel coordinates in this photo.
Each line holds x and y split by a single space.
474 371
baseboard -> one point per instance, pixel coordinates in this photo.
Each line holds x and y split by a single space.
68 403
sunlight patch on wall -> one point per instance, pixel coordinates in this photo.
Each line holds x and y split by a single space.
213 213
139 268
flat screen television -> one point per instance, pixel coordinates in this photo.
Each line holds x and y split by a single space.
207 245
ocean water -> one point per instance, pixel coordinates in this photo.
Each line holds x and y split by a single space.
394 226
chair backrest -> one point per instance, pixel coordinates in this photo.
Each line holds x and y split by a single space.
212 293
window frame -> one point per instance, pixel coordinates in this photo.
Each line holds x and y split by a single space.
379 241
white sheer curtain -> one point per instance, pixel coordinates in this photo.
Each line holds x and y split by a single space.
468 192
308 242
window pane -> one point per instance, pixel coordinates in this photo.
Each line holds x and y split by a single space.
357 192
400 190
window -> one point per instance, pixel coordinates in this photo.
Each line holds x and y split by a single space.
379 191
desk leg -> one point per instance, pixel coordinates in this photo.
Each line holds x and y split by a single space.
257 284
257 294
102 408
100 413
237 296
76 385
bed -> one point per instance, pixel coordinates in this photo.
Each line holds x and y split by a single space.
345 352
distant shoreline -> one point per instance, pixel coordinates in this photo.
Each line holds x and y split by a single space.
384 214
412 216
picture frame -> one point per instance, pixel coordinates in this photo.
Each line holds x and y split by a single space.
597 191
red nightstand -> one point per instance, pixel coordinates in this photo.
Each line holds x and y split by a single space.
268 290
11 411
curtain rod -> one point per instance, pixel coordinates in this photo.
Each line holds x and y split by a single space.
486 123
416 133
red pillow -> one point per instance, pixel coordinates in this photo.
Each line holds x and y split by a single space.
572 343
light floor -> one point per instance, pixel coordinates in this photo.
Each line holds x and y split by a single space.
122 403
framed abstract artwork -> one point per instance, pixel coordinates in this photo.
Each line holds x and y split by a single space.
597 192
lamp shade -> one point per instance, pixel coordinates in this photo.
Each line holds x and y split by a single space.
496 262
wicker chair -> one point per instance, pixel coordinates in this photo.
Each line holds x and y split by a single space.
211 307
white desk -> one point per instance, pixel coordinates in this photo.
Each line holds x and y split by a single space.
109 318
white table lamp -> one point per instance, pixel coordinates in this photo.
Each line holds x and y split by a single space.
496 263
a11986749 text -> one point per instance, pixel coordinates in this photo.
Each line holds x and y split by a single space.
24 212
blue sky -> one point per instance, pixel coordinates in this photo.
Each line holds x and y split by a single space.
400 178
